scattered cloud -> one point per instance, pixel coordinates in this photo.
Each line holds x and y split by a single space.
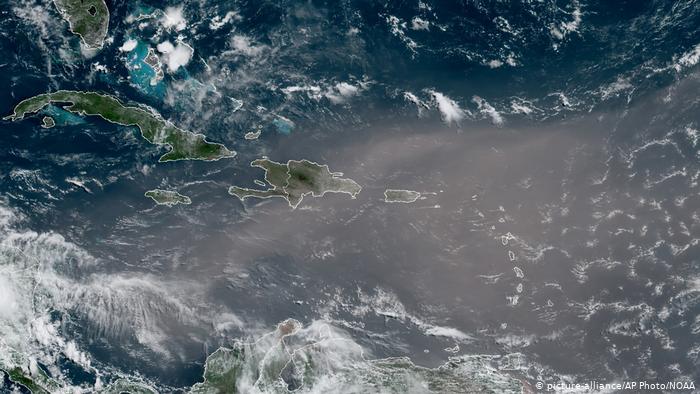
488 110
561 30
449 108
243 45
175 56
128 45
420 104
419 24
688 59
173 19
218 22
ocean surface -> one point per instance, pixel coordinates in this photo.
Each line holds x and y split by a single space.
555 145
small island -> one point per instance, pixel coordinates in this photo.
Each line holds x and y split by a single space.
182 144
295 179
87 18
167 197
252 135
153 61
47 122
400 195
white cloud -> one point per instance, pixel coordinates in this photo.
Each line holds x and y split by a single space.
339 93
7 217
173 18
226 322
42 272
397 29
521 107
509 60
312 90
165 47
420 24
564 28
242 44
175 56
37 16
342 92
71 351
45 332
615 88
347 90
387 304
128 45
516 341
688 59
420 104
449 109
448 332
488 110
180 56
99 67
8 295
218 22
494 63
412 98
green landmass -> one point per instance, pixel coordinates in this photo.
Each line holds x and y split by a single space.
43 384
87 18
39 384
222 369
398 195
314 359
18 376
47 122
297 359
295 179
122 386
167 197
182 144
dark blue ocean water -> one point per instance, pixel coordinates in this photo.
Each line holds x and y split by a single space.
591 192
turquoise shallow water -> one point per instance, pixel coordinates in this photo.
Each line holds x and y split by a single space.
141 74
554 144
283 126
61 116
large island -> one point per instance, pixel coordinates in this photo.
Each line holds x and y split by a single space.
401 195
182 144
295 179
87 18
167 197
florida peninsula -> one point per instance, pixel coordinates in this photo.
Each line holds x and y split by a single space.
89 19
